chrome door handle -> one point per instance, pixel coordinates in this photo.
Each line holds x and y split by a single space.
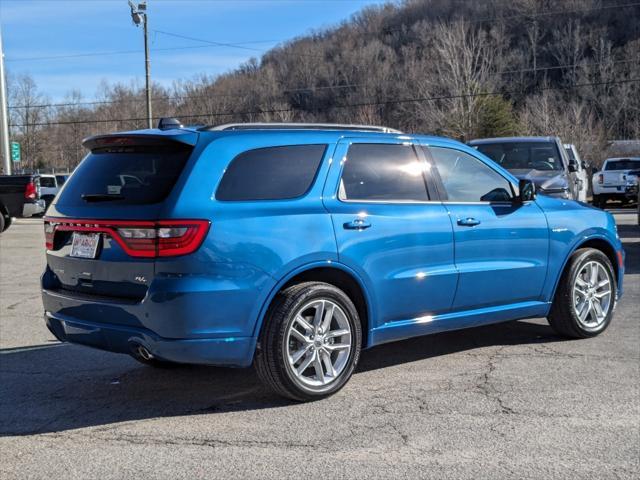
357 224
468 222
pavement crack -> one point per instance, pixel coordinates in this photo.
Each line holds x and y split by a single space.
181 441
486 386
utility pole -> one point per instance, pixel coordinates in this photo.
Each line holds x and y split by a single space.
147 66
4 122
139 15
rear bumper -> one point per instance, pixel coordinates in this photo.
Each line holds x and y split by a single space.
31 209
188 319
228 351
615 192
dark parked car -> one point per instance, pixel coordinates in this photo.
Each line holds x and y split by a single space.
293 247
543 160
19 197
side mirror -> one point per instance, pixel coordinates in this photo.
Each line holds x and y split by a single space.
573 167
527 190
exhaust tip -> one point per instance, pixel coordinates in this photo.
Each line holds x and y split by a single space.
142 352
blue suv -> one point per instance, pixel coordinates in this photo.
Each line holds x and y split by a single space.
292 247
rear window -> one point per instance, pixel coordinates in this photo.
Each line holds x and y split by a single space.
625 164
61 179
125 176
49 182
273 173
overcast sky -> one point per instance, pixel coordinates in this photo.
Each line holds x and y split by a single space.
75 44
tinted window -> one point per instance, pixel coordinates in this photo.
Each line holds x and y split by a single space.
61 179
383 172
523 155
125 175
625 164
467 179
274 173
48 182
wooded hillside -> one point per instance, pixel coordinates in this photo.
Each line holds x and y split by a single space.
463 69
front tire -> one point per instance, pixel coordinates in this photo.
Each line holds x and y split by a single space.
310 343
586 295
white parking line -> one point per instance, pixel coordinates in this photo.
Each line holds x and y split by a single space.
27 221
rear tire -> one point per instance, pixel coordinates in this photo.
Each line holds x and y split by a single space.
310 343
581 307
48 199
598 201
5 218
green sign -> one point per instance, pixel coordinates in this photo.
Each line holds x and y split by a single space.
15 152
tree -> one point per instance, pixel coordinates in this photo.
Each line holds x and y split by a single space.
496 118
27 115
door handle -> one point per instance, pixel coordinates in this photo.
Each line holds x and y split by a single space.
468 222
357 224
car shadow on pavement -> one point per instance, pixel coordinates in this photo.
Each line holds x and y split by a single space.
59 387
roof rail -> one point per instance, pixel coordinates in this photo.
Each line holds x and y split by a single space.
299 126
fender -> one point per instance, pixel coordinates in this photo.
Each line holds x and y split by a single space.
578 242
301 269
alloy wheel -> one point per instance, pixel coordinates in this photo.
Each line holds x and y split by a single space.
318 344
592 295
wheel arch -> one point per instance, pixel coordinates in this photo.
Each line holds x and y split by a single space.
600 243
335 274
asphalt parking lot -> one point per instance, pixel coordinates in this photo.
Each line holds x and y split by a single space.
504 401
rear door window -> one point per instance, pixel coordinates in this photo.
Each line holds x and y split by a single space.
272 173
125 176
383 172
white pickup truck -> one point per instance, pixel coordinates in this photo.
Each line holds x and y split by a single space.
618 180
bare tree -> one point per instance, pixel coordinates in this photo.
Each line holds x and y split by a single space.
28 113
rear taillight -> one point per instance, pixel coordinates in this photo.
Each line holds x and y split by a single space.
30 191
164 238
142 241
601 179
49 232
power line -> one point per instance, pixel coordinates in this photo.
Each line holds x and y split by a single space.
560 12
301 89
130 52
186 97
211 43
347 105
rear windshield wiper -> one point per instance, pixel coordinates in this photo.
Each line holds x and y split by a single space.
101 197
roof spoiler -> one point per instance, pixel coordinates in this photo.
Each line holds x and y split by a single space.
140 139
